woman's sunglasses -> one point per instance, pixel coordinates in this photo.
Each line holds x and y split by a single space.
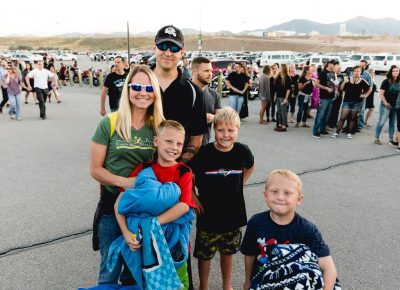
163 46
139 87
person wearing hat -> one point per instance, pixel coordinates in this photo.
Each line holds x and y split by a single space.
326 84
182 100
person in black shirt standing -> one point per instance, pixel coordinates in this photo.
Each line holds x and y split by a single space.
221 168
237 83
113 86
355 90
182 100
326 84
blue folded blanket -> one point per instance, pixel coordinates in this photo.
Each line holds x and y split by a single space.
140 206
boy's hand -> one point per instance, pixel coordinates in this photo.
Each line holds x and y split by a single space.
131 241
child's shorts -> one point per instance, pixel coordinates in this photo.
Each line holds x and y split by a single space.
208 243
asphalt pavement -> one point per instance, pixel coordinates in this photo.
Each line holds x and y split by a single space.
48 198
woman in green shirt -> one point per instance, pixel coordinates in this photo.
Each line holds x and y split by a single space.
122 140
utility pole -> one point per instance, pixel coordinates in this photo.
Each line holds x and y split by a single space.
129 58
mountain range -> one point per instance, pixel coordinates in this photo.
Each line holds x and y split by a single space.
359 25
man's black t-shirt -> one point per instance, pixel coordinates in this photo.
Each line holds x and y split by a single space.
299 231
219 180
115 82
179 104
326 79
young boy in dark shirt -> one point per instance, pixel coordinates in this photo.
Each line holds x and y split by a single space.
283 193
221 168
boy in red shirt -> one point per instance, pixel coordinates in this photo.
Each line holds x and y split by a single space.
169 142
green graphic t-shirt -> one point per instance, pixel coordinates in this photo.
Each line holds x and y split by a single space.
123 157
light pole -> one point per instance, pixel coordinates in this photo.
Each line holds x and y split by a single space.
127 28
243 37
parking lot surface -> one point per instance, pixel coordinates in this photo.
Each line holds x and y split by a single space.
48 198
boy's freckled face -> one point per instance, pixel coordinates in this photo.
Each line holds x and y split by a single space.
225 136
282 196
169 146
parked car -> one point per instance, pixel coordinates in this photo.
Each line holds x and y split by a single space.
279 57
66 56
353 60
220 65
27 57
381 63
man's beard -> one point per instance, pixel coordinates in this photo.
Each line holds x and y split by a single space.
204 81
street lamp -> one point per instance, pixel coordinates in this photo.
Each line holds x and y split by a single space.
243 37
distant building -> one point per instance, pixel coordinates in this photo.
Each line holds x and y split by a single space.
342 29
256 33
314 33
280 33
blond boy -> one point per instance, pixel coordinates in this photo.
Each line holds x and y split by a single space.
283 193
221 168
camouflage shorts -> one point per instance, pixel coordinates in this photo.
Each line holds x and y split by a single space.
207 243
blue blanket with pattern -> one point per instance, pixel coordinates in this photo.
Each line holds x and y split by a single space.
291 266
140 206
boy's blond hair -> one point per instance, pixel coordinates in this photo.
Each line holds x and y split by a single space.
170 124
227 115
289 175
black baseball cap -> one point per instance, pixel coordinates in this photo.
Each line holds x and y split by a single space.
170 33
333 61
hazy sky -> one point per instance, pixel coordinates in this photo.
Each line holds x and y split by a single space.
45 17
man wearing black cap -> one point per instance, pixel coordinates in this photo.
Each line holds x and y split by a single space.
326 84
182 100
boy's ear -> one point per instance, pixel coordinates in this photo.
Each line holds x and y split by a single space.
155 141
300 199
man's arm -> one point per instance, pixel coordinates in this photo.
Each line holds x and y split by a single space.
329 272
191 148
103 100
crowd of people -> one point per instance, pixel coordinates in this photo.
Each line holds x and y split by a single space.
17 77
157 169
340 100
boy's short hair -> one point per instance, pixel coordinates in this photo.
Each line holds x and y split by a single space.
227 115
289 175
170 124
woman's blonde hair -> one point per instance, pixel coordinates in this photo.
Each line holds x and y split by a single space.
227 115
289 175
154 115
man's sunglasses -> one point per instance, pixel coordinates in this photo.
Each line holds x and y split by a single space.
163 46
139 87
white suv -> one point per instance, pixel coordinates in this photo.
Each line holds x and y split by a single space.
383 62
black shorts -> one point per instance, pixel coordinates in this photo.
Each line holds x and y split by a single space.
207 243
